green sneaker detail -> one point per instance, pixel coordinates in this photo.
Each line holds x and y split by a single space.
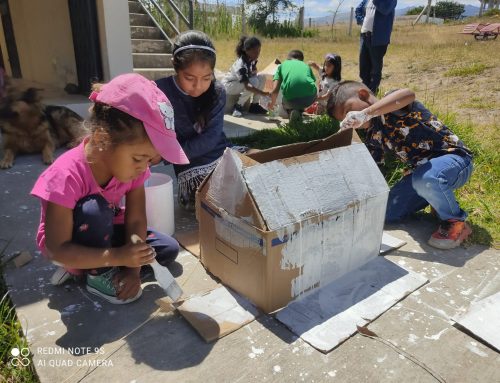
102 285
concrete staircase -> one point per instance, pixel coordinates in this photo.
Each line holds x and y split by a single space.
151 52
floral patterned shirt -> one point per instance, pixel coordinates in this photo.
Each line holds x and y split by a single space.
414 135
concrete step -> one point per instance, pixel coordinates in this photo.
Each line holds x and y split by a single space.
135 7
152 60
145 32
140 19
155 73
150 46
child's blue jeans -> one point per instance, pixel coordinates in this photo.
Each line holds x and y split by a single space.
93 227
432 183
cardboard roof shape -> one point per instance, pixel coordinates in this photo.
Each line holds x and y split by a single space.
281 186
270 69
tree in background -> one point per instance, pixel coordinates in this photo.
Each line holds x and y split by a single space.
449 10
263 10
414 11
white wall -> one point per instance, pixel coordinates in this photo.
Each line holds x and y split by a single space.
114 31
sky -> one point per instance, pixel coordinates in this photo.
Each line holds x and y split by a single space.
315 8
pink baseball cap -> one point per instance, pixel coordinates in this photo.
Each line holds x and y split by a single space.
139 97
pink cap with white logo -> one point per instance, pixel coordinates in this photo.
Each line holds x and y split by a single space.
139 97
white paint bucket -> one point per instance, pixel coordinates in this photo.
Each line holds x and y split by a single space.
160 203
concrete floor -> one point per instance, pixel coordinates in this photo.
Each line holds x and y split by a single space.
75 337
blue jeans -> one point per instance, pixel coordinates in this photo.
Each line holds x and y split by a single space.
432 184
93 227
371 61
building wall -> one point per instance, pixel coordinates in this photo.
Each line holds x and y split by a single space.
44 42
114 32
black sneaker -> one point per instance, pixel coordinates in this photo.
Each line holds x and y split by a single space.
255 108
237 111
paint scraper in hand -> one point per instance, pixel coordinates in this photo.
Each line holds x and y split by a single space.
163 276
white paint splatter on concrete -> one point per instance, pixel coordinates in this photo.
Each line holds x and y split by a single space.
436 336
466 292
430 289
255 351
276 369
473 348
71 309
412 338
380 360
332 373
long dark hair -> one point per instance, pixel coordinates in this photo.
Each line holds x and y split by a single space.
184 58
336 61
245 44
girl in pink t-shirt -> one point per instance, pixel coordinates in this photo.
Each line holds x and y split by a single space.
83 226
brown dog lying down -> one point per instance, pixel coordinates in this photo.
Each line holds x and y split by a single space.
28 126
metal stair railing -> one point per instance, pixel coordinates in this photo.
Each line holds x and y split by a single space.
148 4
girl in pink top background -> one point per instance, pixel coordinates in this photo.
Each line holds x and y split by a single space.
83 226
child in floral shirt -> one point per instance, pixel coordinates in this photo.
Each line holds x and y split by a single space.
438 161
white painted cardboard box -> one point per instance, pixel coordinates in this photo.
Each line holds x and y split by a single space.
279 224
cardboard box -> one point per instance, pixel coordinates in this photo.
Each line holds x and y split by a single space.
278 224
269 72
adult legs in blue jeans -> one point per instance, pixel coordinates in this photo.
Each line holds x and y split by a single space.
93 226
432 183
371 61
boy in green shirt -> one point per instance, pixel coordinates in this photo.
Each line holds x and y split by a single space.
297 83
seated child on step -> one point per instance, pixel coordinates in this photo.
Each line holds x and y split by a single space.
83 226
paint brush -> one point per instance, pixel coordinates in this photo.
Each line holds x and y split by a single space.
163 276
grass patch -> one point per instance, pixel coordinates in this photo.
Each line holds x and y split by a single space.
313 129
11 336
470 70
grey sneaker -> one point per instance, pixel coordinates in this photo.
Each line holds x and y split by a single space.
60 276
238 111
102 285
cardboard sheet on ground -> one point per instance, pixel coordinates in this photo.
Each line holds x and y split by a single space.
390 243
189 240
218 313
330 315
483 319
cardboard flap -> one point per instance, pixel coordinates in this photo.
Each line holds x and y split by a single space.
228 191
297 188
217 313
342 138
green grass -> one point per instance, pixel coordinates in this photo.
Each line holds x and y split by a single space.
464 71
479 196
313 129
11 336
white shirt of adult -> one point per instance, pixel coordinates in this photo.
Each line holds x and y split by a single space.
369 17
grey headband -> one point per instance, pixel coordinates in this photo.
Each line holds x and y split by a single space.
191 46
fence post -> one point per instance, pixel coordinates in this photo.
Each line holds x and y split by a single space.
243 19
350 21
429 2
191 14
